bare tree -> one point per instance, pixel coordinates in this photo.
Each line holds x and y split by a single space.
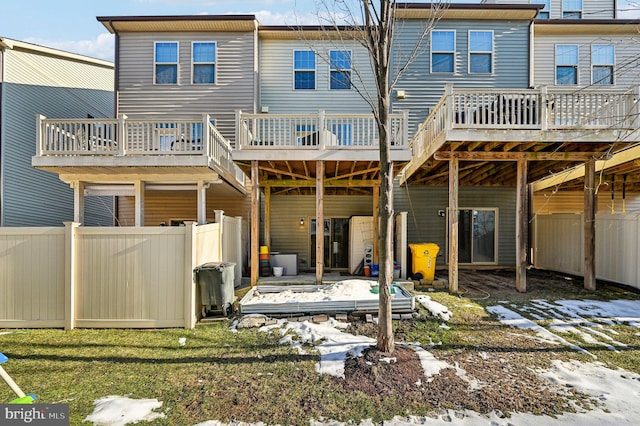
372 24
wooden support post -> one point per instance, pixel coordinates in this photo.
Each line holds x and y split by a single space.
521 227
78 202
376 223
267 216
138 188
590 225
202 203
319 221
454 167
255 222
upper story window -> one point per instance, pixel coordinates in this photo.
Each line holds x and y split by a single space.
203 67
443 51
544 12
603 60
480 52
166 62
567 64
340 69
571 9
304 70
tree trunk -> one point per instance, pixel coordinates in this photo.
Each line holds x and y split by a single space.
385 340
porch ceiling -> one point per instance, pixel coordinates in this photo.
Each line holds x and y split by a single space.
483 163
299 177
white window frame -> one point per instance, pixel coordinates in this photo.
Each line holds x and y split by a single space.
350 69
555 64
581 10
214 63
177 63
612 65
491 52
546 9
293 69
453 52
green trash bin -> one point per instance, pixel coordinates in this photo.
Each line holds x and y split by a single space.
217 293
423 259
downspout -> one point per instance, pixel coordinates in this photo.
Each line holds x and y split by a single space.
531 53
3 48
116 88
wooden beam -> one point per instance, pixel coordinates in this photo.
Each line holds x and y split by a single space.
284 172
617 159
516 156
255 222
590 225
453 224
359 172
319 221
294 183
521 227
267 217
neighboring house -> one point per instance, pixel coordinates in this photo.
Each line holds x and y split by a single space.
167 153
39 80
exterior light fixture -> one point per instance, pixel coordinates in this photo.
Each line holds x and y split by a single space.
302 221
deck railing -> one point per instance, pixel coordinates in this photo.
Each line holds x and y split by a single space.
127 137
316 131
528 109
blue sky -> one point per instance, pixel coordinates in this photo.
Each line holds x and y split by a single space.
71 25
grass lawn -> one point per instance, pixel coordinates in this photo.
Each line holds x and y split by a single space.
248 376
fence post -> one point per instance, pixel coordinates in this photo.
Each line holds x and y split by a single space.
238 129
40 134
238 237
448 105
219 218
190 259
206 136
122 134
321 132
544 109
70 274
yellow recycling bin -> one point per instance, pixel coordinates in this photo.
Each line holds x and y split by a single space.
423 259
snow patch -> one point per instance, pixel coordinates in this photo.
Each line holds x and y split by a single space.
119 410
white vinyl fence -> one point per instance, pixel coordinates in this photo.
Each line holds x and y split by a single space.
559 246
103 277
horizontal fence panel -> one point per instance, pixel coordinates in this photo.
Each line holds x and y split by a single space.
32 277
132 276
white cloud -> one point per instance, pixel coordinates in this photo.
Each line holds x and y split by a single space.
102 47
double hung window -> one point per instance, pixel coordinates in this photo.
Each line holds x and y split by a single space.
443 51
203 58
567 64
166 62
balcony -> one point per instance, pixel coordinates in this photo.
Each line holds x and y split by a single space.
321 136
562 119
161 146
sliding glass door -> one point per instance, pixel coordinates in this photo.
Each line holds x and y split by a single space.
477 236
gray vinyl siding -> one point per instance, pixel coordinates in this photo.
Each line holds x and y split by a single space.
591 9
425 225
424 89
276 79
235 84
57 88
627 51
287 236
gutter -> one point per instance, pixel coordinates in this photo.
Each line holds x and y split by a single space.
3 47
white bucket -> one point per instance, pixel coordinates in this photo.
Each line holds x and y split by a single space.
277 271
